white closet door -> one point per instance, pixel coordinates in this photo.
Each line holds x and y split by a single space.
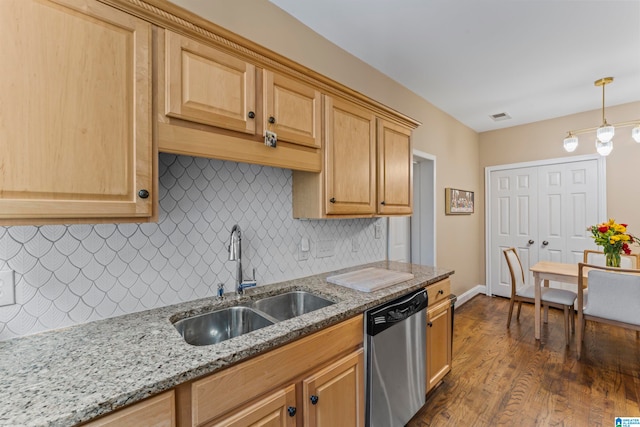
568 204
513 222
543 211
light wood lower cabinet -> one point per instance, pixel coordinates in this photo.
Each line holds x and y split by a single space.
334 395
75 108
158 411
278 409
327 364
439 336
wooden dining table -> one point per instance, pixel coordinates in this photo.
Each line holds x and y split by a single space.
544 271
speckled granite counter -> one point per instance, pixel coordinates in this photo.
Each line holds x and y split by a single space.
67 376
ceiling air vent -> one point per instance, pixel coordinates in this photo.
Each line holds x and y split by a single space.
500 116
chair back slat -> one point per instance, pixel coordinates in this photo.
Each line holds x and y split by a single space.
515 269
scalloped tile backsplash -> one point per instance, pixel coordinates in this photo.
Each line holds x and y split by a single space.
73 274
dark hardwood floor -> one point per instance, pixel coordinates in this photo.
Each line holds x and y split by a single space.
505 377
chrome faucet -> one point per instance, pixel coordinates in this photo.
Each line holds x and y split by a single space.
235 254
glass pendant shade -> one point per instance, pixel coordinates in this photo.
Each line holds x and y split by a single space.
604 148
635 134
571 143
605 133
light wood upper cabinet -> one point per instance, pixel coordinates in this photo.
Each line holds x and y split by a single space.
208 86
212 104
368 168
292 110
334 396
75 108
346 186
350 165
395 169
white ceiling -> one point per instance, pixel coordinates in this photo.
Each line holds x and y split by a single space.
533 59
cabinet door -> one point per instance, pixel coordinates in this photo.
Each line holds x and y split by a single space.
334 396
75 103
350 158
438 343
292 110
207 86
158 411
278 409
395 169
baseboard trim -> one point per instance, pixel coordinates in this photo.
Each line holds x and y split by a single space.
476 290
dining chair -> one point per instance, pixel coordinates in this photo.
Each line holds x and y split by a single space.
550 297
613 298
598 258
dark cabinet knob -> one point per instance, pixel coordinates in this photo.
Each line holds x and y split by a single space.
251 115
292 411
531 242
272 120
332 200
143 194
440 292
382 203
314 399
545 243
429 324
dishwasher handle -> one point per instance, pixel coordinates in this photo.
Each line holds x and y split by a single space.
386 315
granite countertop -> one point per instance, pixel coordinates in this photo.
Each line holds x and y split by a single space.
71 375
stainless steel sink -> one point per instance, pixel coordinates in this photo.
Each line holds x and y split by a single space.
290 304
220 325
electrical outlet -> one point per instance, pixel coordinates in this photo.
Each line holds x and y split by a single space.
7 289
325 248
355 244
303 249
378 231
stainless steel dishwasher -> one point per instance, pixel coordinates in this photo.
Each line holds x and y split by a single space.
395 351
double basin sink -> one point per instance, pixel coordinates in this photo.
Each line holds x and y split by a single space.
220 325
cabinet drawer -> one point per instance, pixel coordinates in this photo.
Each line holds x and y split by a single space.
158 411
439 291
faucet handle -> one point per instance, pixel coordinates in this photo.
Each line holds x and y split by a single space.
220 292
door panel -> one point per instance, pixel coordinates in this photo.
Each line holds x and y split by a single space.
552 204
513 206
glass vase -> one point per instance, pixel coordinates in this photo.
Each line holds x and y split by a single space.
612 259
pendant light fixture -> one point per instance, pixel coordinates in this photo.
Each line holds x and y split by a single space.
604 132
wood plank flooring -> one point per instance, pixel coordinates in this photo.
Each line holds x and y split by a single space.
504 377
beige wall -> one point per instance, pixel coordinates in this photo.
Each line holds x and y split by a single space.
543 140
459 238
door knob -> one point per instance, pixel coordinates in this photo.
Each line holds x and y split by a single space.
143 194
545 243
314 399
292 411
332 200
429 324
531 242
272 120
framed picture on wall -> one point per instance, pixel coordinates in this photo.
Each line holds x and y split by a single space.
458 202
